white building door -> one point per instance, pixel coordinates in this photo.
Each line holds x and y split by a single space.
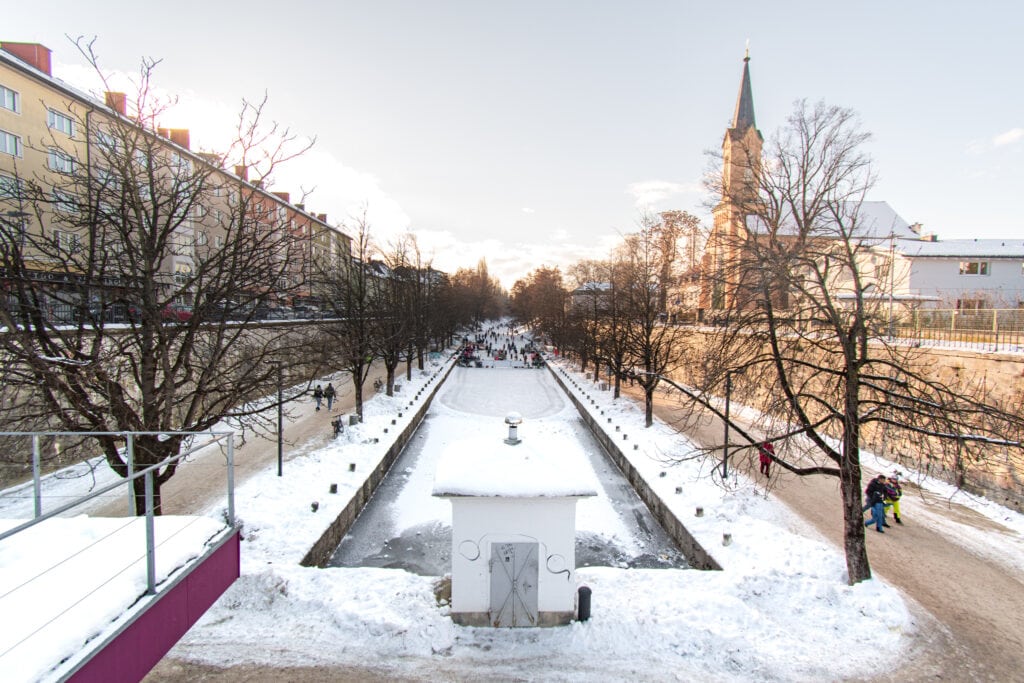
514 571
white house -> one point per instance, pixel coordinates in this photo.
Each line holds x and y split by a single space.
513 530
965 274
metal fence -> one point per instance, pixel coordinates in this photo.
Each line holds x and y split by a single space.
983 329
147 474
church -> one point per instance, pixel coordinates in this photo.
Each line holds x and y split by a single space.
907 267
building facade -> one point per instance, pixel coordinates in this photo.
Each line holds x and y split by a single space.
93 194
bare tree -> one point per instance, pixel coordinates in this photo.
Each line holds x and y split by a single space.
800 325
127 260
351 291
653 347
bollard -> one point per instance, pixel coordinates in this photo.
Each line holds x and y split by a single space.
661 474
584 603
726 539
394 421
351 467
314 506
636 447
700 512
679 489
334 488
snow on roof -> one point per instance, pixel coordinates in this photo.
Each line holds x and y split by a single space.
874 221
538 467
988 248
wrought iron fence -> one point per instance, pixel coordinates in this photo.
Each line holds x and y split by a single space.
983 329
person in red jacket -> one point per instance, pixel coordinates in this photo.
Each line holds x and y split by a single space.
766 453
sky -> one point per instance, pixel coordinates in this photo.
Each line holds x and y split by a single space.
537 133
749 622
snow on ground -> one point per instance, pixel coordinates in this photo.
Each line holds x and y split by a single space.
780 610
750 621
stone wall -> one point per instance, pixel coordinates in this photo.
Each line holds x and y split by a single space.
695 553
325 546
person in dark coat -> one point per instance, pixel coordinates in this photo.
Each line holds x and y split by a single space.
329 395
875 494
767 450
318 395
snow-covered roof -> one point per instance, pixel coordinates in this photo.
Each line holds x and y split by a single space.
974 248
874 221
533 468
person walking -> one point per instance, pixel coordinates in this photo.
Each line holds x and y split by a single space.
893 493
318 396
875 493
767 450
329 395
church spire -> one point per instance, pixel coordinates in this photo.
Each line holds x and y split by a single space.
744 116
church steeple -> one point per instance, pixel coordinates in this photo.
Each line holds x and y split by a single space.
743 118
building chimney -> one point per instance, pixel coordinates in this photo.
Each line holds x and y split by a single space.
322 217
33 54
164 133
116 101
300 207
283 196
179 136
242 172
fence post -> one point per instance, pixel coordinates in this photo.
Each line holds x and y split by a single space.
231 479
995 327
130 454
150 541
37 491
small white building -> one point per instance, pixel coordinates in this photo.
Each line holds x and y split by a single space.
513 530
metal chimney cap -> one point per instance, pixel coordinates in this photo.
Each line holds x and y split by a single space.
513 419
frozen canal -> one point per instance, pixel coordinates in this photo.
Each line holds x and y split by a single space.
405 527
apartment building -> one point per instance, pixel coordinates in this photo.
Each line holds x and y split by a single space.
98 202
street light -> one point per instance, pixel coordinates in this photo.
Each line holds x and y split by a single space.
725 446
280 422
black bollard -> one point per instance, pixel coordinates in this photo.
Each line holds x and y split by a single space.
584 603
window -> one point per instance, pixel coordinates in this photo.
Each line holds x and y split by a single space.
220 240
10 188
61 122
974 268
201 239
10 143
106 142
64 202
67 242
10 99
60 161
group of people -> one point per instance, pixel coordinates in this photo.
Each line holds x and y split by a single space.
320 394
881 494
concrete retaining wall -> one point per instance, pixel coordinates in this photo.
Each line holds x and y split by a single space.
695 553
325 546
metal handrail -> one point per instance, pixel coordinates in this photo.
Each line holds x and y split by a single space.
146 473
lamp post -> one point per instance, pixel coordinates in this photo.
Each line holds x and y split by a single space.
280 422
725 446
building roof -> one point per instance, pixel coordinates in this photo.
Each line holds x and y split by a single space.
875 222
972 248
743 117
547 466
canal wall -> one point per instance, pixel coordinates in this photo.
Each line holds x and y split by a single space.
698 557
329 541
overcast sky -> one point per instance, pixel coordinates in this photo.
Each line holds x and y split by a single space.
535 133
